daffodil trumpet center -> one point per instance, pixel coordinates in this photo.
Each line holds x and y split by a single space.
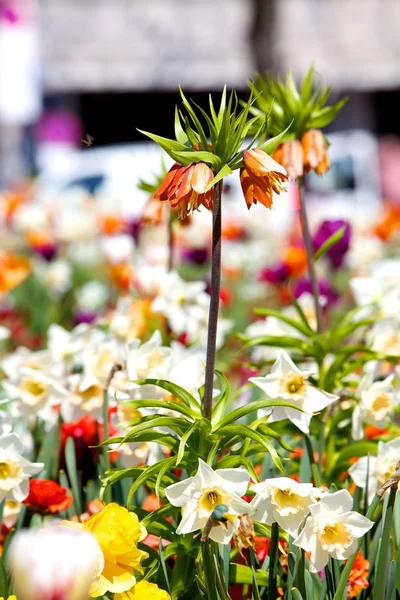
335 536
211 498
287 502
293 385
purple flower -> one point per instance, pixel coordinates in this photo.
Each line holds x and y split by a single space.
338 251
197 256
275 275
326 291
84 316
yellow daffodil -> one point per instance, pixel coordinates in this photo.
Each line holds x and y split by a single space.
143 591
117 531
14 597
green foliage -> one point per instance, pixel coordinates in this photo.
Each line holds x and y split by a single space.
214 138
290 108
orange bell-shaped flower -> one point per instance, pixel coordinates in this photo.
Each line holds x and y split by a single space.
315 152
260 177
185 188
290 155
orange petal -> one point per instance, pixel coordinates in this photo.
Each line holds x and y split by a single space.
259 163
201 176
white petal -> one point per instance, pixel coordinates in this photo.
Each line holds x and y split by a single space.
284 364
20 492
269 384
300 419
221 535
358 524
179 494
264 512
237 480
357 432
358 472
319 399
206 476
338 502
191 521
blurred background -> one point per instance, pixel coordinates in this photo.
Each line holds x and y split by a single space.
78 77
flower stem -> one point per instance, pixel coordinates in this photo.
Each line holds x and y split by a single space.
106 454
313 465
273 561
170 241
310 255
214 302
381 569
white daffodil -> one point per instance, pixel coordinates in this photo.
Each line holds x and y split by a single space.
384 337
372 471
200 495
15 470
92 296
376 402
82 400
57 276
284 501
54 562
12 363
66 345
150 360
99 357
184 304
35 394
287 382
332 529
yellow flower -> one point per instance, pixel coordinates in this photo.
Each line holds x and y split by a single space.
9 597
117 531
144 591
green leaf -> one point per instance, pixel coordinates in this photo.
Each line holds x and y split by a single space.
241 412
306 85
270 145
279 341
70 460
194 156
165 143
183 409
3 580
180 134
224 172
269 312
174 389
244 574
195 119
331 241
184 440
246 432
222 398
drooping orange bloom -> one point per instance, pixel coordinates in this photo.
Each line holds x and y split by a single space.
291 156
389 223
111 224
260 177
315 152
155 212
295 259
13 269
185 188
47 496
358 577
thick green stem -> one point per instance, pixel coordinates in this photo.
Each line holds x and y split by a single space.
310 256
170 241
273 561
381 570
214 302
314 467
106 455
349 565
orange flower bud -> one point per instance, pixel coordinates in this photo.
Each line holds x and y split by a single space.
315 152
290 155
